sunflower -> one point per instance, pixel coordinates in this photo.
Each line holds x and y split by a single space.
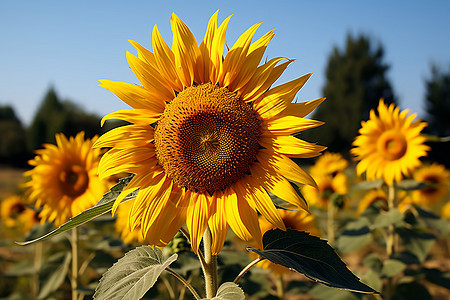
329 164
436 177
327 186
209 136
297 220
15 213
374 196
389 144
445 212
64 179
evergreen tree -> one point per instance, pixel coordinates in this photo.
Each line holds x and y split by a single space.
437 102
12 139
355 82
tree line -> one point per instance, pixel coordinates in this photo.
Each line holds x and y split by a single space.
356 78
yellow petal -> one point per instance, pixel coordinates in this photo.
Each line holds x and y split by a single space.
277 99
134 95
198 214
135 116
302 109
287 125
150 78
242 218
188 61
284 166
291 146
218 223
165 60
276 184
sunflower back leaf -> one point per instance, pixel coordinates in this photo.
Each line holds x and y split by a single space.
104 205
133 275
307 254
228 291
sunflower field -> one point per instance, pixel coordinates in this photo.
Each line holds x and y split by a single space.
210 191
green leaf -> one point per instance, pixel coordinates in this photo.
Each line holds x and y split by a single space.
133 275
392 217
410 185
307 254
229 291
104 205
325 292
356 235
392 267
53 272
368 185
416 242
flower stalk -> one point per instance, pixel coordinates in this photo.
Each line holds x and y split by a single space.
210 265
74 278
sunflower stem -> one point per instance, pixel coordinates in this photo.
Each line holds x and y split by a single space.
330 222
244 270
280 286
186 284
210 266
74 278
390 243
38 255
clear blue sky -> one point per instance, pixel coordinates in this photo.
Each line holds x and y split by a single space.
71 44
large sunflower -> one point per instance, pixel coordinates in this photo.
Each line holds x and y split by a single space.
64 179
209 136
389 144
436 177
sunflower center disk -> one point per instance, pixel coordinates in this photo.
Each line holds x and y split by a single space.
392 144
207 138
73 180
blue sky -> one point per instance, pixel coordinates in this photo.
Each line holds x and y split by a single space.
71 44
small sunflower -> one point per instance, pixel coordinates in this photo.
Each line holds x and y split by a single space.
445 212
389 145
15 213
209 136
64 179
329 164
297 220
436 177
327 186
373 196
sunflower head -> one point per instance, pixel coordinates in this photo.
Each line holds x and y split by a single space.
64 179
209 136
16 214
436 177
374 196
389 144
327 187
329 164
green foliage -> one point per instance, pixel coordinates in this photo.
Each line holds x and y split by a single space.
53 273
104 205
55 116
229 291
355 82
12 139
133 275
307 254
437 102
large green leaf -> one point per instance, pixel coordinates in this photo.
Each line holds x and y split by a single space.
229 291
307 254
104 205
133 275
53 272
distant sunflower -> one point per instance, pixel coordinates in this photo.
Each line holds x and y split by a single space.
445 212
436 177
327 186
389 144
373 196
329 164
64 179
14 213
209 136
297 220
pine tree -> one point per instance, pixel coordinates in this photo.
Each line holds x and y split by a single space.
355 82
